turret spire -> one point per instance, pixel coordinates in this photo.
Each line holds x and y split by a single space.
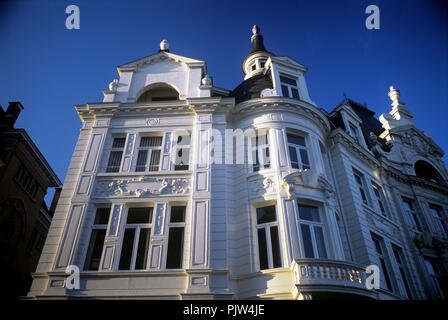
257 40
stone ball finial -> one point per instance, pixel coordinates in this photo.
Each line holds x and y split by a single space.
255 30
394 94
164 45
207 80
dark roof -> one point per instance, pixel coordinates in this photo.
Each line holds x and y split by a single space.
252 87
369 122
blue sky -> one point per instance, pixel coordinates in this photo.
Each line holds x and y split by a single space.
50 68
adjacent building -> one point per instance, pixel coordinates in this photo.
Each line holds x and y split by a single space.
25 219
180 189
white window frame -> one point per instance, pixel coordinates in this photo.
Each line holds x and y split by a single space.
116 149
412 217
353 131
259 155
94 226
380 198
312 224
149 150
289 86
403 269
298 148
267 230
439 221
137 227
177 147
361 185
176 225
383 255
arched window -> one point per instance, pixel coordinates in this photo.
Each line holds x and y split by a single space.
158 92
426 171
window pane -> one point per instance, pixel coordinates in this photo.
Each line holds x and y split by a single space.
114 161
289 81
275 244
307 242
386 274
358 179
177 214
285 91
262 249
304 157
142 249
102 216
293 156
319 234
182 159
139 215
184 140
154 161
118 142
266 214
150 141
95 249
126 249
295 93
309 213
175 248
141 160
296 140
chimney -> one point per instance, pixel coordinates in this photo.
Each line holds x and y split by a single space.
9 118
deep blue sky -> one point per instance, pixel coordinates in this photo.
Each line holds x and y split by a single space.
50 68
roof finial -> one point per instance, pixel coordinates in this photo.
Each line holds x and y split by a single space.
255 30
394 95
164 46
257 40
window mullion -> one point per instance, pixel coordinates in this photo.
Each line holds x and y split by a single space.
269 246
135 247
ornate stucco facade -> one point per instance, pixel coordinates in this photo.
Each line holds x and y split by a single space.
180 189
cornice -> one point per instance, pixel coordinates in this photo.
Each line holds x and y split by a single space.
342 137
282 103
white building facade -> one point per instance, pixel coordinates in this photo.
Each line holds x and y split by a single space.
179 189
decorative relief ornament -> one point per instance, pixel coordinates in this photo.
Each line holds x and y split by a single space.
267 186
143 186
267 93
152 121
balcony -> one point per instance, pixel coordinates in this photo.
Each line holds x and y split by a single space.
327 279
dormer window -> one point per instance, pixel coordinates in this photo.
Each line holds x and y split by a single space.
289 87
353 131
253 67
